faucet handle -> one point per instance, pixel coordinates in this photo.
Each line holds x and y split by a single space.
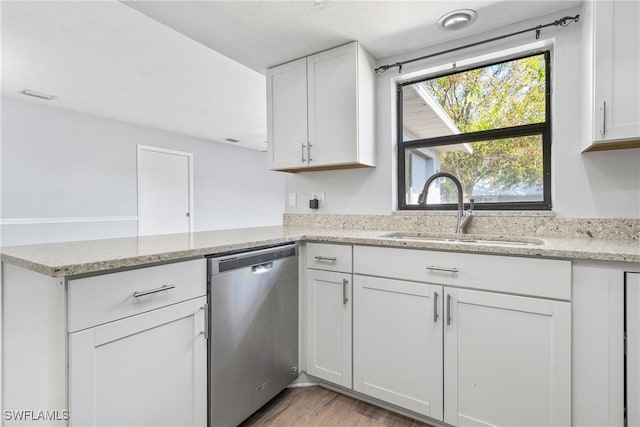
472 202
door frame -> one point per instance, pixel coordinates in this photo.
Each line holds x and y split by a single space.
189 157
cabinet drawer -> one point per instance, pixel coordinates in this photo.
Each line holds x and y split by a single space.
323 256
545 278
100 299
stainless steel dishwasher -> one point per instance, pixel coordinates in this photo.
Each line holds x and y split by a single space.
253 325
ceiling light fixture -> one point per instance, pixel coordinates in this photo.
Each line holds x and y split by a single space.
40 95
457 19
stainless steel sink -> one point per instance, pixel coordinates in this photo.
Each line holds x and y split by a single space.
518 241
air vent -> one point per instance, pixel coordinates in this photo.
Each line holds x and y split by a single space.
40 95
231 140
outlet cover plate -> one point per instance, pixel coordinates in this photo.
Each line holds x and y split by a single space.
320 196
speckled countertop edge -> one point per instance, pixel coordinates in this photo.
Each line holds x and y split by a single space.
85 257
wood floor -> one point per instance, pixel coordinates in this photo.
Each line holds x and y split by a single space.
317 406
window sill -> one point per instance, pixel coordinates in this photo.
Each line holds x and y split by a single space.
536 214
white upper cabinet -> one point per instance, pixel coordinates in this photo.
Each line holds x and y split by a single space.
616 74
320 111
287 114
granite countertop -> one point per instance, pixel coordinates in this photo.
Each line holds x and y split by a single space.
75 258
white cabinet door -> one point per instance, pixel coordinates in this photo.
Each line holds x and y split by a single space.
616 56
287 115
145 370
632 289
328 326
507 360
332 95
321 110
397 352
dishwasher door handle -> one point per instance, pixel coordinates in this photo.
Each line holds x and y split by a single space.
262 268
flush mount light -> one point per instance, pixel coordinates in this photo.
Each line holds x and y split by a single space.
457 19
40 95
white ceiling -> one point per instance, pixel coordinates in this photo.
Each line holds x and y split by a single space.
261 34
178 71
106 59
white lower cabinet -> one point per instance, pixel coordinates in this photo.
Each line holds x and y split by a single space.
397 347
462 354
632 312
137 347
468 358
328 325
125 348
507 360
144 370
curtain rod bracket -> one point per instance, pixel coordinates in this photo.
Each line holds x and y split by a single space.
383 68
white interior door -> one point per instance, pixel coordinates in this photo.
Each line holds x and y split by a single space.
164 191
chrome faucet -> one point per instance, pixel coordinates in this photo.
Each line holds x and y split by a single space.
464 218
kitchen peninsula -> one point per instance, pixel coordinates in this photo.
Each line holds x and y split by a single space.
48 286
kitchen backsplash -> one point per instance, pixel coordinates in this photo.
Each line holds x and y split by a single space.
532 224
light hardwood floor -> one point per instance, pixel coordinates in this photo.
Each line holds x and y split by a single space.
317 406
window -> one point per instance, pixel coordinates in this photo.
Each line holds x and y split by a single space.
489 126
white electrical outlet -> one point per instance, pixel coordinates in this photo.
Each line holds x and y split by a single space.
293 200
320 196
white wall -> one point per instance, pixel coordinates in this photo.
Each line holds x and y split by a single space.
602 184
58 164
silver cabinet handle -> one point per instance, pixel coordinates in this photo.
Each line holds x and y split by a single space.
153 291
206 321
303 159
448 309
435 307
450 270
309 151
345 293
603 128
326 258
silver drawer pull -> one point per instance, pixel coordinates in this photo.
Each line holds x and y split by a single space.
153 291
345 294
326 258
450 270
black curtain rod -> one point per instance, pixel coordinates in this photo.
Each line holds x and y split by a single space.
563 22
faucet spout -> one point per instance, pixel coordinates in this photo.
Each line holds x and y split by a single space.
463 218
